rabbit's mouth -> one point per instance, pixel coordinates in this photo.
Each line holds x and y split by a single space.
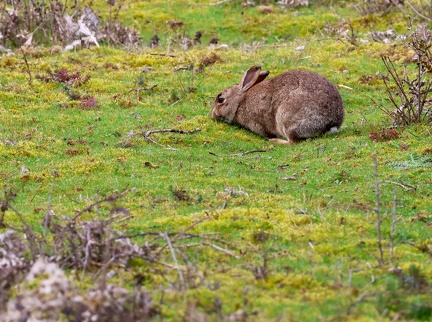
217 117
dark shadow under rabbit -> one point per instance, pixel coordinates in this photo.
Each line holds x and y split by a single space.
290 107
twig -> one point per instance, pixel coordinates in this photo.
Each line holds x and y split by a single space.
105 265
180 234
167 55
174 103
418 13
347 87
167 265
150 132
221 249
405 186
48 212
393 224
107 199
219 2
125 218
173 256
377 209
238 154
47 219
358 300
30 236
87 254
139 89
27 66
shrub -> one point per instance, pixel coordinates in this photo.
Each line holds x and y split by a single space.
409 92
41 22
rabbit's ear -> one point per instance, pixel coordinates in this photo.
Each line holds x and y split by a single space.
253 76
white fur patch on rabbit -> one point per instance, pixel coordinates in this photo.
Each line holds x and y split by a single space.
290 107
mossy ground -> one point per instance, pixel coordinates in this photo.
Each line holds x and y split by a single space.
319 228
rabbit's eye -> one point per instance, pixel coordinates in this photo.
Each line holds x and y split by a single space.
220 99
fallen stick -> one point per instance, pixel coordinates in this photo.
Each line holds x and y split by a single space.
150 132
139 89
237 154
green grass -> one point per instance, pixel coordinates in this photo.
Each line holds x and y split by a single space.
321 240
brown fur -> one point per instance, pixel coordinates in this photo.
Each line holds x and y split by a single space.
294 105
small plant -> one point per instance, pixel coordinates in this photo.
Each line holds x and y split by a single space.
385 134
409 94
344 31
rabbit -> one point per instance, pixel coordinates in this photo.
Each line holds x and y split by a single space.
288 108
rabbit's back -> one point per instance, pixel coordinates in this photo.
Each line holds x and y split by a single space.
305 104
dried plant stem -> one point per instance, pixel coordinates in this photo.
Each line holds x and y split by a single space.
87 253
104 266
166 237
27 66
47 219
394 220
221 249
377 209
405 186
180 234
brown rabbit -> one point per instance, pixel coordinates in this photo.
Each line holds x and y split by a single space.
294 105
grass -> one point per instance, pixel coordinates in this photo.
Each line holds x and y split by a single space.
316 231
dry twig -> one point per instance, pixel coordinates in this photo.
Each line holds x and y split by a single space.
221 249
406 187
377 209
238 154
166 237
27 66
139 89
150 132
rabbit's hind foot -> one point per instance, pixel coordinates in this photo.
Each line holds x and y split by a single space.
280 141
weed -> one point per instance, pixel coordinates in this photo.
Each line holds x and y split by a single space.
415 161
